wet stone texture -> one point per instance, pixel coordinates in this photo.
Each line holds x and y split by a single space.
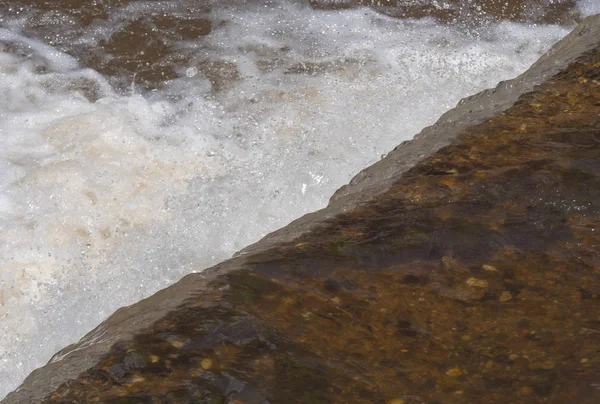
475 279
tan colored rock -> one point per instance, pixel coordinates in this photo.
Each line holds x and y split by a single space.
454 372
478 283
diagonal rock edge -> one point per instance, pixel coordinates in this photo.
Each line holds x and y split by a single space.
371 182
379 177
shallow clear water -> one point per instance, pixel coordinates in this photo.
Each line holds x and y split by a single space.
109 192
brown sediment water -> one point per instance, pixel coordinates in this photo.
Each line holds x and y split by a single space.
475 278
147 49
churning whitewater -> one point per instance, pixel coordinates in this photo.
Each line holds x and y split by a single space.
109 193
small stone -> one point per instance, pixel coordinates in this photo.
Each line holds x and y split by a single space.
490 268
478 283
137 379
548 364
525 390
206 364
584 360
505 296
458 393
448 262
395 401
454 372
153 358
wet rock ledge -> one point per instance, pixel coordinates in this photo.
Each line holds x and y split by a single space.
463 268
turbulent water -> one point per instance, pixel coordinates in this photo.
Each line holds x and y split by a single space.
140 141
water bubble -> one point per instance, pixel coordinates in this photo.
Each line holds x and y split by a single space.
191 72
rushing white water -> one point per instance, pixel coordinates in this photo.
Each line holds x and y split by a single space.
106 199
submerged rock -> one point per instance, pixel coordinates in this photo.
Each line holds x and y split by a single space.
462 268
148 49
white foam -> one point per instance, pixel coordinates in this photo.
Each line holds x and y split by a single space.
588 7
56 60
104 202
